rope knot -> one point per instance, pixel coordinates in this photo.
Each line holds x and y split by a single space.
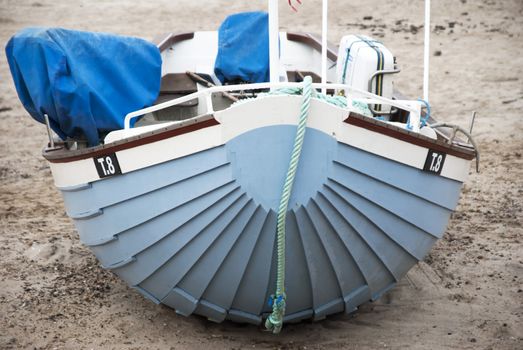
274 322
278 301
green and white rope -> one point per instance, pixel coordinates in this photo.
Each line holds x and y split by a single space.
336 100
274 322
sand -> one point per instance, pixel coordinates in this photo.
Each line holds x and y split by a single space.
466 294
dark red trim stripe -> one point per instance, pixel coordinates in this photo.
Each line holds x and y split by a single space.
408 136
150 137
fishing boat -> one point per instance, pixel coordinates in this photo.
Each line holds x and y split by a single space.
284 193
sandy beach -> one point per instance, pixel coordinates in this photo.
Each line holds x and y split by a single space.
466 294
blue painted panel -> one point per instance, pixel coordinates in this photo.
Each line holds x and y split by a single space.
324 284
179 264
442 191
427 216
151 259
347 274
133 212
137 239
297 279
396 260
260 159
234 265
416 241
116 189
255 287
196 280
210 310
370 266
181 301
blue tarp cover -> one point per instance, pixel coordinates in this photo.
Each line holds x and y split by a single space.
243 48
85 82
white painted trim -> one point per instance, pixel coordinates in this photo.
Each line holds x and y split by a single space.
382 145
74 173
172 148
253 114
282 109
455 168
402 152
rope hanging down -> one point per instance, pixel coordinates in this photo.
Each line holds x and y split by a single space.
274 322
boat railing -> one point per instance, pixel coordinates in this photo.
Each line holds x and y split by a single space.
352 94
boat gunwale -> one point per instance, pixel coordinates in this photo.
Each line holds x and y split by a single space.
409 136
63 155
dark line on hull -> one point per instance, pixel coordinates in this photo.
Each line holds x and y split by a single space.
212 245
189 241
336 162
355 231
86 215
321 239
377 204
158 215
101 241
366 217
307 259
75 188
364 238
256 246
120 263
257 211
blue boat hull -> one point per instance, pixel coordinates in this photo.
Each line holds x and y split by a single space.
198 233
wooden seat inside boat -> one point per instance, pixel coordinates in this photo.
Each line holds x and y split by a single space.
177 83
172 86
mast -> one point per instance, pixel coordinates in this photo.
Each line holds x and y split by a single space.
426 52
274 35
324 23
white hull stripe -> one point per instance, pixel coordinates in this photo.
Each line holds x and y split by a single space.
240 118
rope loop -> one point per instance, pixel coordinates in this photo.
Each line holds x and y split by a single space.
424 121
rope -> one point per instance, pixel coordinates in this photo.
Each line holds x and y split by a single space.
339 101
274 322
424 120
277 301
336 100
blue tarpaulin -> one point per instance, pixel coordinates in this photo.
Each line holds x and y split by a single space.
243 48
85 82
